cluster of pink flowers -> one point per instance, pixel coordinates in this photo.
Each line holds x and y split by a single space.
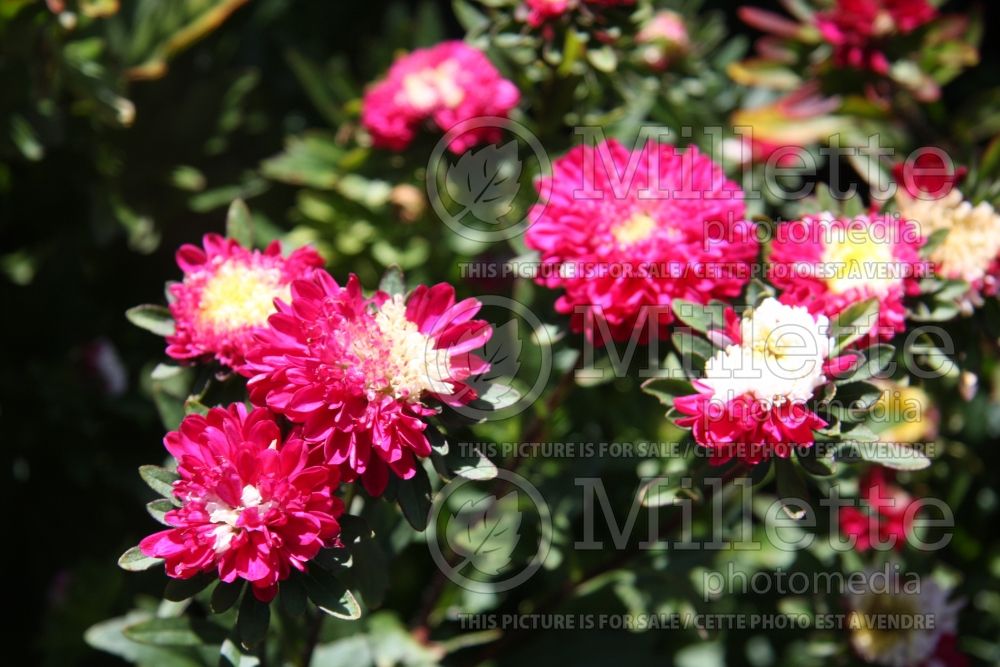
446 84
669 222
254 503
344 384
227 294
854 28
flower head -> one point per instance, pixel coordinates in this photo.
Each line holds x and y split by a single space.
664 37
360 374
252 505
446 84
911 624
227 294
624 231
828 264
855 27
891 513
970 250
752 401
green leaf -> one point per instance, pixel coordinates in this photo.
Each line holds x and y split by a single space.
665 390
811 463
757 291
292 595
369 566
159 508
178 590
895 455
159 479
253 619
225 596
603 59
176 631
153 318
699 317
414 497
392 282
853 323
231 655
330 595
874 360
239 224
134 560
474 465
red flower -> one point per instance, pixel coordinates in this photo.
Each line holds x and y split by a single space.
359 374
854 28
890 517
929 174
252 506
624 231
227 294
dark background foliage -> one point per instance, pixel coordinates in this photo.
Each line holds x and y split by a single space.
74 420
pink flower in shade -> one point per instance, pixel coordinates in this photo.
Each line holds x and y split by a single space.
946 653
622 231
928 174
253 506
752 402
664 37
445 84
227 294
890 518
854 28
359 374
828 264
541 11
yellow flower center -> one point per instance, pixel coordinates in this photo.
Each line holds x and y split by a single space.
240 296
633 230
856 259
405 361
877 628
433 87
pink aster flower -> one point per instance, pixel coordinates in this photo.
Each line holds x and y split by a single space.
360 374
891 513
444 84
541 11
752 402
252 505
624 231
828 264
854 27
227 294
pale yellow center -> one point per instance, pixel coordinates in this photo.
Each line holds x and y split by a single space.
407 360
872 637
633 230
239 296
433 87
973 239
855 259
